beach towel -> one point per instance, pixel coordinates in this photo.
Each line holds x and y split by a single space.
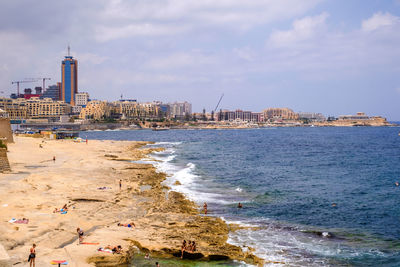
105 250
19 221
88 243
22 221
64 212
54 262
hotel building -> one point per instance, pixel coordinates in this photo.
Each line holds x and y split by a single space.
69 77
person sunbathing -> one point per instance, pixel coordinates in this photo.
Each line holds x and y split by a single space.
130 225
117 249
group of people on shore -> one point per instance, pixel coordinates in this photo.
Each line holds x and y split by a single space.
190 246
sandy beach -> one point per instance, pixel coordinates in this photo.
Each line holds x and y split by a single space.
38 184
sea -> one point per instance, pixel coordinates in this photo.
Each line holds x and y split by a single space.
311 196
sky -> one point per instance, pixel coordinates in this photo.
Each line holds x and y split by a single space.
330 56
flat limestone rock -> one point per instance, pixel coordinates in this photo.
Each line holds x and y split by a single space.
5 260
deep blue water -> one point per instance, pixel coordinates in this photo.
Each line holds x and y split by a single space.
287 180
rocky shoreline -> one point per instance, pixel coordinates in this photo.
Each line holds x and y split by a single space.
172 218
163 218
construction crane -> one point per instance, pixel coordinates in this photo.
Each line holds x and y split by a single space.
219 102
44 83
24 81
217 106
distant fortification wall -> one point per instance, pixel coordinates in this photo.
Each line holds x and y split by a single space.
4 164
5 130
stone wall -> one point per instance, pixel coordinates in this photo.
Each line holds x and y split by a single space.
4 164
5 130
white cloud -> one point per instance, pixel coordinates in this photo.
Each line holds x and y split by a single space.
121 19
245 53
379 20
107 33
180 60
303 29
91 58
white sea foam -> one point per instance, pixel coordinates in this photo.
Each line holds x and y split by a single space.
239 189
166 143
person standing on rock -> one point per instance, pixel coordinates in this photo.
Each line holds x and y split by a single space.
205 208
183 248
80 235
120 184
32 256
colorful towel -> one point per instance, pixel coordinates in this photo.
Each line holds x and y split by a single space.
22 221
19 221
88 243
105 250
54 262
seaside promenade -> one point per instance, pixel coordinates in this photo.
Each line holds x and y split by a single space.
86 178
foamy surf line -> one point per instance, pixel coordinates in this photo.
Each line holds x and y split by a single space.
182 178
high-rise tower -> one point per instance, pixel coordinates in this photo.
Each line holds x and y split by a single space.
69 78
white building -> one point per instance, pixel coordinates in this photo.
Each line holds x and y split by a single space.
76 109
312 116
81 99
180 109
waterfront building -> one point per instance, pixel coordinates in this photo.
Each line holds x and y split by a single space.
95 110
3 114
76 110
45 108
34 108
15 109
69 77
53 92
312 116
280 114
81 99
180 110
358 116
133 110
239 116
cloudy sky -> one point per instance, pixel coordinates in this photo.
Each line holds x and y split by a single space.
335 57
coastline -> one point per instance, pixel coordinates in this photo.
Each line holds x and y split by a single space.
163 218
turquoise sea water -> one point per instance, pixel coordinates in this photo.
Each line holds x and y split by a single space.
287 180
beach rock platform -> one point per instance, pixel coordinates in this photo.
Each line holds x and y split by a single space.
86 178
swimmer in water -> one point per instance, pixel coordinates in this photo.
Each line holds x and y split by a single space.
396 183
240 205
